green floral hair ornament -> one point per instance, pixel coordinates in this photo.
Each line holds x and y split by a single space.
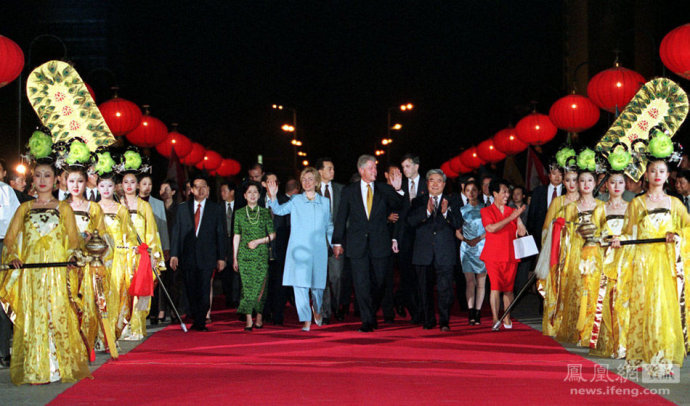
586 160
660 145
78 153
40 144
104 163
132 160
619 158
562 156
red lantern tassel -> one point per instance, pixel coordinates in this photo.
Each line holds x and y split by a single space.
142 281
556 240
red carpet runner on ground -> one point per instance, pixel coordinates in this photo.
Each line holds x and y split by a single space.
396 365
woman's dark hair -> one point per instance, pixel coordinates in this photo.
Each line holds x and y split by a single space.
252 183
77 168
47 162
472 182
495 185
108 176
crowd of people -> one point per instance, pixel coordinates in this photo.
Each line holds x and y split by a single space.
318 244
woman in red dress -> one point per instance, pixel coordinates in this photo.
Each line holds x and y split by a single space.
501 224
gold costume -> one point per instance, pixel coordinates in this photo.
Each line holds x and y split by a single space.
95 283
578 273
657 333
147 230
610 324
124 240
47 346
550 286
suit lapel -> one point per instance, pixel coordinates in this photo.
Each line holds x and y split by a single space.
377 198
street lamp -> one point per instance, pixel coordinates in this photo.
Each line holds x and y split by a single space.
290 128
397 126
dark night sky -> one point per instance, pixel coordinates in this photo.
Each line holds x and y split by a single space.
470 67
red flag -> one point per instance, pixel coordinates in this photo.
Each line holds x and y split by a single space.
142 281
535 174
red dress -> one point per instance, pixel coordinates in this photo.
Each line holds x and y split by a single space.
498 254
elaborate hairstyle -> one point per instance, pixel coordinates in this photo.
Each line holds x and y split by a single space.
131 161
619 158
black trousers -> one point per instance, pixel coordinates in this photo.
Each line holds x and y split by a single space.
198 282
408 292
368 277
444 286
231 283
278 294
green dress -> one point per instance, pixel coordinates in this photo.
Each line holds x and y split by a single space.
251 224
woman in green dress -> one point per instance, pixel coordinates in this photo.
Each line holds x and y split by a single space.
253 232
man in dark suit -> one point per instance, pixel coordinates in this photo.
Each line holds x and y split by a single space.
413 185
230 280
361 228
18 182
277 295
542 196
198 246
333 294
435 217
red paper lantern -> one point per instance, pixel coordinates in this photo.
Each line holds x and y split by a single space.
508 142
471 159
181 143
122 116
535 129
457 166
11 60
236 167
675 51
150 132
91 92
211 161
445 167
574 113
613 88
226 168
196 154
488 152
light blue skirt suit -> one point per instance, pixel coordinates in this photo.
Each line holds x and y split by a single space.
306 261
472 228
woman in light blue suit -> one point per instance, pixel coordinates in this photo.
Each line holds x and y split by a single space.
311 228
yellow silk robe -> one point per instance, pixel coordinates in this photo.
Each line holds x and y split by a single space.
147 230
124 240
658 296
610 322
88 222
575 275
550 286
47 346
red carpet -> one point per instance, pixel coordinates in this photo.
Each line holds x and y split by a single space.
398 364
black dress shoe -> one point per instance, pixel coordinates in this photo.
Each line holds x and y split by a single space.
153 321
5 361
429 326
365 328
445 328
325 321
375 324
400 309
199 327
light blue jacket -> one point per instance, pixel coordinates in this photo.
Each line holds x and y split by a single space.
306 261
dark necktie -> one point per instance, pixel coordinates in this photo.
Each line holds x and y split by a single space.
555 193
228 213
435 205
327 192
197 217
